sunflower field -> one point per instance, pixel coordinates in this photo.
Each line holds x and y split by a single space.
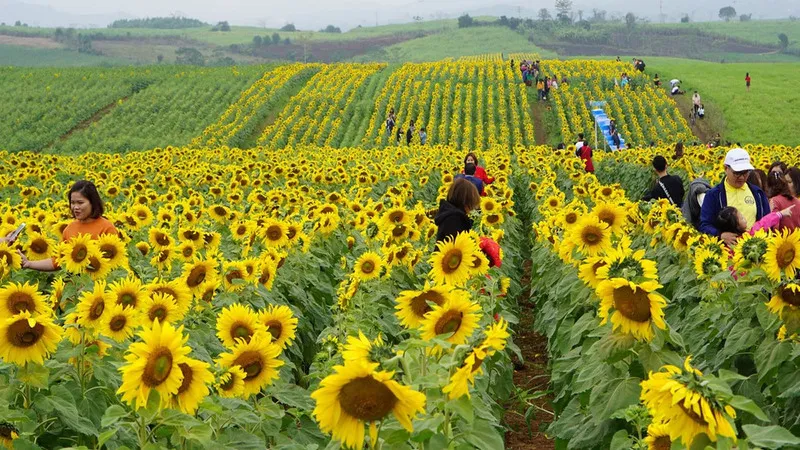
276 283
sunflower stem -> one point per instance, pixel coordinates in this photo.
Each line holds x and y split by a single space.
142 431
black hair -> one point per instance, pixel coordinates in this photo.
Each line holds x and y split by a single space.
469 169
580 136
727 221
777 185
660 163
88 190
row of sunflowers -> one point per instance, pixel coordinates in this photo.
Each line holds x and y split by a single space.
284 299
659 336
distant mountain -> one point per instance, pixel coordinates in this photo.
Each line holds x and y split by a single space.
47 16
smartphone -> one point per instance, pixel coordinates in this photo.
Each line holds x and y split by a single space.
14 234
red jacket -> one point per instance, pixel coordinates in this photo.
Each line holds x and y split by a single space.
480 173
586 156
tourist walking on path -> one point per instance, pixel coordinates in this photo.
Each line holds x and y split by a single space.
452 218
734 190
410 133
480 172
390 122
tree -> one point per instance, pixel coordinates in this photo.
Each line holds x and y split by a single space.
598 16
685 18
288 27
287 41
160 58
276 38
465 21
544 15
630 20
190 56
784 40
224 26
745 17
727 13
564 11
585 24
331 29
580 15
257 41
18 24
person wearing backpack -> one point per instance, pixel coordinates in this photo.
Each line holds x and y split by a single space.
666 186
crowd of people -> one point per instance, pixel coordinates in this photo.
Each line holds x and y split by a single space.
531 72
400 134
746 201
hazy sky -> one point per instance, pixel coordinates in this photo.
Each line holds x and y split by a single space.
349 13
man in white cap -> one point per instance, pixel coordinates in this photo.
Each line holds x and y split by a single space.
734 191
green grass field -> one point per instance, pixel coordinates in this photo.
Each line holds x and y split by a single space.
761 31
456 43
766 114
12 55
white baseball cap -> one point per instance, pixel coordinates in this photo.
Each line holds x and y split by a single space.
738 160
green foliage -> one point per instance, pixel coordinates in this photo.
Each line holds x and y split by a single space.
727 13
158 23
189 56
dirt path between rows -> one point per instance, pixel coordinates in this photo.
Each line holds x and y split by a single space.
88 122
539 129
530 375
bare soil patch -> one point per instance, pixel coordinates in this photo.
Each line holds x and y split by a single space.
32 42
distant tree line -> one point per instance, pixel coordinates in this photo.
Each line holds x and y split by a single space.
265 41
161 23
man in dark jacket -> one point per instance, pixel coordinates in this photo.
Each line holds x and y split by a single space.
469 175
734 191
694 201
452 217
410 133
667 186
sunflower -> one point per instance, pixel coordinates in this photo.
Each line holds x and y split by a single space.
453 260
17 297
785 303
623 262
8 433
58 292
113 250
76 252
750 250
119 322
589 268
274 233
238 322
707 264
456 320
27 338
9 257
162 259
143 247
658 436
231 382
195 273
152 364
362 350
92 306
127 292
783 255
159 238
367 266
590 235
258 358
280 323
637 307
413 305
208 290
234 276
39 246
356 394
683 400
160 307
186 251
242 230
194 386
175 288
612 215
464 376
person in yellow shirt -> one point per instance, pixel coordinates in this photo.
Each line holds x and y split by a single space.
734 191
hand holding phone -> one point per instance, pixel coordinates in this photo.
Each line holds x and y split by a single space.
15 234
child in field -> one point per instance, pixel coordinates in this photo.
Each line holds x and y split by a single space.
731 220
747 80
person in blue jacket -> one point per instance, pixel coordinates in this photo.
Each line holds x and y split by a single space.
734 191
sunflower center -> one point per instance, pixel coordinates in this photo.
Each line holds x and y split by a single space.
452 260
187 251
20 301
228 384
127 299
477 365
188 374
662 443
419 304
693 415
449 322
399 230
633 305
367 267
39 246
21 334
162 239
607 217
109 251
158 368
94 265
274 233
785 255
97 309
196 276
158 312
275 328
791 297
240 330
367 399
591 235
79 253
118 323
251 362
235 274
571 218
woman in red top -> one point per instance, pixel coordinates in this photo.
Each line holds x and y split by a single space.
480 172
747 80
781 196
87 210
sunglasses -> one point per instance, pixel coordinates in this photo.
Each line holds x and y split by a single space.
740 174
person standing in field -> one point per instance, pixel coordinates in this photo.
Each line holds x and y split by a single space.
410 133
423 136
390 122
696 101
747 80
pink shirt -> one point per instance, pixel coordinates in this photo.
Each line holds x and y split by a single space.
779 203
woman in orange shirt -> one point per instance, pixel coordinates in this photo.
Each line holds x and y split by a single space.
87 210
